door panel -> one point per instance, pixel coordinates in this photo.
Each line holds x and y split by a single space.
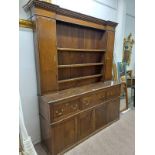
100 116
64 135
85 124
113 110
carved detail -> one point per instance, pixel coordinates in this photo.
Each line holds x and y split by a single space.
62 11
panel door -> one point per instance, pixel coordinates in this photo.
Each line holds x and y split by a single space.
113 110
85 124
100 116
64 135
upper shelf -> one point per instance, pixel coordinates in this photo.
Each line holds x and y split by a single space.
79 50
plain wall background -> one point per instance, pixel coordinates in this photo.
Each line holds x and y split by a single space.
121 11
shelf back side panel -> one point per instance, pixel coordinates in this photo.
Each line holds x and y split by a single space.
78 83
74 36
69 57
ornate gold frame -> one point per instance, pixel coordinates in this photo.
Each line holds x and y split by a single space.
25 23
127 49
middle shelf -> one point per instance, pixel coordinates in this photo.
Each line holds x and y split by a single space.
80 65
79 50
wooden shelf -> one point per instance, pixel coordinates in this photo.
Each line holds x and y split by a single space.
80 65
83 50
80 78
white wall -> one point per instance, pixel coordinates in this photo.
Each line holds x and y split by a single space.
28 84
104 9
114 10
22 13
28 80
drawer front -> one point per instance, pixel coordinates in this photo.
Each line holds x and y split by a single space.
113 92
101 96
63 109
88 101
59 110
93 99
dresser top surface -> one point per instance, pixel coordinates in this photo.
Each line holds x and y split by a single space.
73 92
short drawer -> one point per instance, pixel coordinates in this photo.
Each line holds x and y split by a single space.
113 92
93 99
101 96
62 109
88 101
59 110
73 107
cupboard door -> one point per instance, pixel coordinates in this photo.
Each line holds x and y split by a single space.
69 132
100 116
113 110
64 135
58 138
85 124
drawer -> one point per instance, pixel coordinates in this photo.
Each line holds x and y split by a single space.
88 101
113 92
93 99
59 110
62 109
101 96
72 106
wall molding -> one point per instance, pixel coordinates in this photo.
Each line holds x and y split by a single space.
25 23
104 4
130 15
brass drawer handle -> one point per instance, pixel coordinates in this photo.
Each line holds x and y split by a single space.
87 104
59 113
86 101
102 96
74 107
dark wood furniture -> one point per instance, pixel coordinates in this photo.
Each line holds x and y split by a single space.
74 55
130 82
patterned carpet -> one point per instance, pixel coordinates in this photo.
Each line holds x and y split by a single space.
117 139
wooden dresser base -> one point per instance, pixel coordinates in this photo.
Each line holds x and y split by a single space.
68 122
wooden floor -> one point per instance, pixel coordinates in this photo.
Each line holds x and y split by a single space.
117 139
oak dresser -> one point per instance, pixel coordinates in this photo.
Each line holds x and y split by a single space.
74 55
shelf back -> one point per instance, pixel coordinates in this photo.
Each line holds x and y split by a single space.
75 36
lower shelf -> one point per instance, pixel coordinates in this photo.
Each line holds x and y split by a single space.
80 78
